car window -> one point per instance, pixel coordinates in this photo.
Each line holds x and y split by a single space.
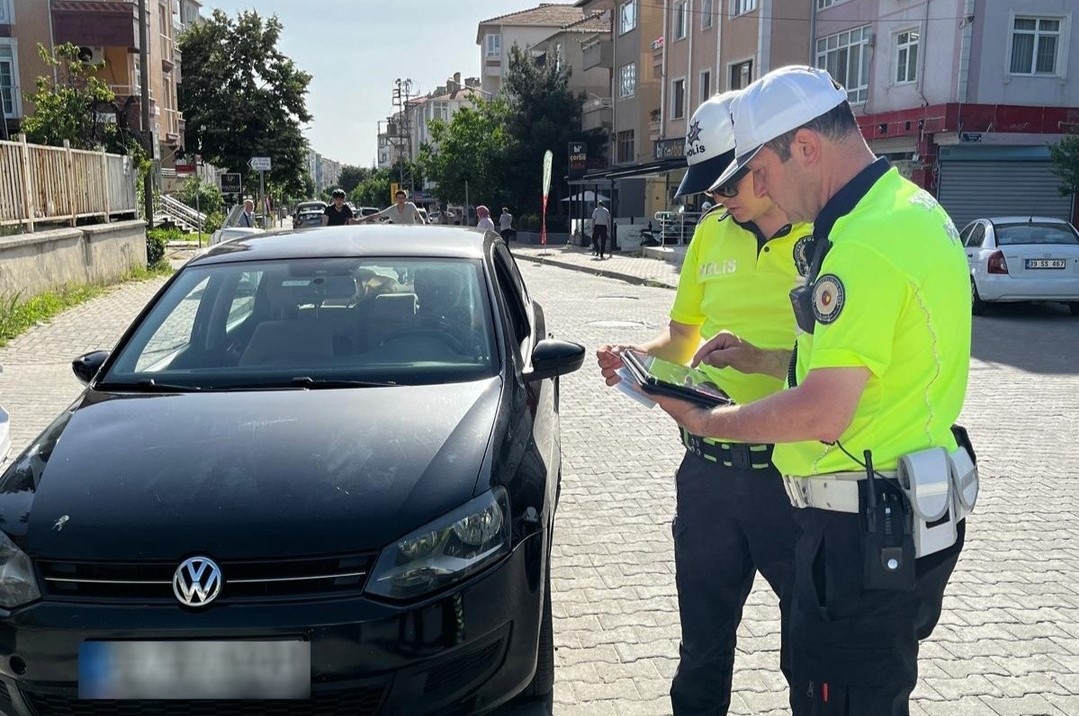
964 235
977 235
512 289
1035 233
405 321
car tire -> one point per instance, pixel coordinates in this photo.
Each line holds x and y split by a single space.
977 306
543 682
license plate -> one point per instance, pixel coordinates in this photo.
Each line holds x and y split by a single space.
195 670
1046 263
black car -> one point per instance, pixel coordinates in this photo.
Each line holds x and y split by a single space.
296 477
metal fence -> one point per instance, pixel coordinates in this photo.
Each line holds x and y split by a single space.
60 185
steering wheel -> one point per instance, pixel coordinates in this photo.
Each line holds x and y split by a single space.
450 341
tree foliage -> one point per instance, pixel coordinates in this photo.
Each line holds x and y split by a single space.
352 176
243 98
203 195
471 148
71 105
1065 156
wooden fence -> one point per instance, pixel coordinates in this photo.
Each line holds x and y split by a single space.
60 185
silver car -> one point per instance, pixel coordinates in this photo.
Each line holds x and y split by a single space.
1022 258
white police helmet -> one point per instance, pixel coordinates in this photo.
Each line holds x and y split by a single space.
709 143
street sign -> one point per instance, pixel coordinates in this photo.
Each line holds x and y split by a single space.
260 164
970 136
231 183
185 170
578 158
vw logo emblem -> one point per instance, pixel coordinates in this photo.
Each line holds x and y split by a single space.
197 581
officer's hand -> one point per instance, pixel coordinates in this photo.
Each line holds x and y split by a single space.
610 361
689 416
726 350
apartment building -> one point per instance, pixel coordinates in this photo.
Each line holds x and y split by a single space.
524 29
108 33
963 95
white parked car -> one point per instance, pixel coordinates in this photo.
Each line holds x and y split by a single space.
232 232
1022 258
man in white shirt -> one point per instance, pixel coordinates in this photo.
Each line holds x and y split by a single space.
402 211
601 223
505 225
247 218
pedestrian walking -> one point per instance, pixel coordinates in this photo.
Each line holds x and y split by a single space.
505 225
402 211
878 379
247 216
337 213
484 223
732 516
601 224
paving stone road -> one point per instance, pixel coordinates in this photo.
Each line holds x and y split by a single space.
1008 642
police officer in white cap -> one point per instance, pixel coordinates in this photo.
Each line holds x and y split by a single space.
865 435
733 517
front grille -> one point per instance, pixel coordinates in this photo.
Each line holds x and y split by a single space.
462 670
350 702
244 581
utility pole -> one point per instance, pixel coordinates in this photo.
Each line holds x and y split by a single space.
144 101
402 92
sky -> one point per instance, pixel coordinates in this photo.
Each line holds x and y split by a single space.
356 49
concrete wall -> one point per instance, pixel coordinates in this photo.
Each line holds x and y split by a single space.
34 263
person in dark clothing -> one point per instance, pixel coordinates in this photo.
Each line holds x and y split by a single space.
337 213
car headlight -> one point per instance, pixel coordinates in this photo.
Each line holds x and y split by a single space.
18 586
445 551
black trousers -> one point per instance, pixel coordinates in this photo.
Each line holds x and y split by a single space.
855 650
730 523
599 239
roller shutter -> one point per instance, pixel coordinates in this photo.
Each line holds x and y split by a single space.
974 189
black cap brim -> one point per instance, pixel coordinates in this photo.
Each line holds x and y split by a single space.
733 168
700 176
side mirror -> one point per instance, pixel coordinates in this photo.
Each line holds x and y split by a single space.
86 366
552 358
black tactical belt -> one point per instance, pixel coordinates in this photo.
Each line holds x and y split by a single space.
741 456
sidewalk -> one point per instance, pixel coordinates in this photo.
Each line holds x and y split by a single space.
658 266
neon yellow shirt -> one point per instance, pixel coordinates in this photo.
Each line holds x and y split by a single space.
725 284
893 296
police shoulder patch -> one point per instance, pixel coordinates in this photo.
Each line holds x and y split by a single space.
828 298
801 254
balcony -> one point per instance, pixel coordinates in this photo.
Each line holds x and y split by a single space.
102 23
598 54
597 113
169 125
168 53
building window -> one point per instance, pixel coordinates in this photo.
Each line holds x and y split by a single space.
707 14
9 80
741 74
706 85
906 57
7 13
559 59
1035 45
627 17
681 19
821 4
740 7
624 149
494 45
627 80
846 57
678 98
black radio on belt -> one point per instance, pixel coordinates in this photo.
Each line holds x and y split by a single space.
802 296
887 535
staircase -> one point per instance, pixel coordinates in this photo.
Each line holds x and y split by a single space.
178 213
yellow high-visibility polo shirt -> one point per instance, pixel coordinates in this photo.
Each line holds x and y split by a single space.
730 282
893 296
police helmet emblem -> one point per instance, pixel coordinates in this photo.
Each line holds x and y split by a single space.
828 298
801 255
694 134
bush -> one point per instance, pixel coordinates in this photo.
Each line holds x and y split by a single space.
530 222
213 222
156 241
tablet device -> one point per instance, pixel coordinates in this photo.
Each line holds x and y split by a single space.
662 377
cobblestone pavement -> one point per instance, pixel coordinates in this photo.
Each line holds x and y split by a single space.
1008 642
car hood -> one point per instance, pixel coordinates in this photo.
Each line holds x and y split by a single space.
247 474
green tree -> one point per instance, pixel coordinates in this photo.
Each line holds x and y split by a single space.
471 148
241 98
1065 156
67 106
372 191
352 176
206 196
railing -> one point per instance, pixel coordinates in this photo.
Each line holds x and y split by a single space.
59 184
181 210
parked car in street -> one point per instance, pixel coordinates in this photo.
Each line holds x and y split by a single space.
232 232
1022 258
296 477
308 217
307 206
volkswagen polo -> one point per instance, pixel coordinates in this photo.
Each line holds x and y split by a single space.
298 484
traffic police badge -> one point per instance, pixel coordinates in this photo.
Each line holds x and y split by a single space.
801 257
828 298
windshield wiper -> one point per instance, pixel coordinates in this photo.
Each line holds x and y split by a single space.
149 385
306 381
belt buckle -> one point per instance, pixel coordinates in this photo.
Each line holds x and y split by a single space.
795 492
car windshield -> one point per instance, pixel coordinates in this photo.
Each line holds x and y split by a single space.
1035 233
310 323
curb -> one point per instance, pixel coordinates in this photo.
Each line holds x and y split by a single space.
602 273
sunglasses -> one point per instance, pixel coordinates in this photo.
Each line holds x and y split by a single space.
730 188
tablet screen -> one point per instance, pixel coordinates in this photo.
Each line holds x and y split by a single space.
656 372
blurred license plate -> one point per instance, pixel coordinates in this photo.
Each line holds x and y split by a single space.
195 670
1045 263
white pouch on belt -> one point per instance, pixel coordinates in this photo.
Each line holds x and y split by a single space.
964 478
926 478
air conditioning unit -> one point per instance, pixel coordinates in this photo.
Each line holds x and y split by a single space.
92 55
